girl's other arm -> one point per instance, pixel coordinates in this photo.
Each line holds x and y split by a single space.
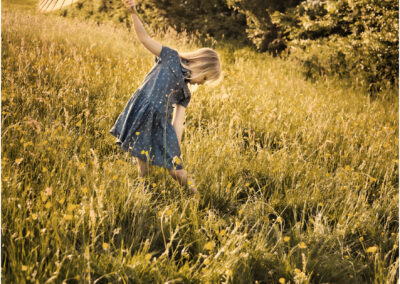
152 45
179 118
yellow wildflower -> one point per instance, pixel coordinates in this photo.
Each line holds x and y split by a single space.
137 133
44 196
209 245
372 249
302 245
106 246
71 207
282 280
286 239
26 144
176 160
68 217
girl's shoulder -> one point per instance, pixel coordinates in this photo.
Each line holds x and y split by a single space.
168 55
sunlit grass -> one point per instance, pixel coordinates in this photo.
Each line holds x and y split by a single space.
298 180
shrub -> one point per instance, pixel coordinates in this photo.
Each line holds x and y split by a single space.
357 38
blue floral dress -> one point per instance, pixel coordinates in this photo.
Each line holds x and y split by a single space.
144 127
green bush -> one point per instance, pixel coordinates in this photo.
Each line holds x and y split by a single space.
260 30
346 38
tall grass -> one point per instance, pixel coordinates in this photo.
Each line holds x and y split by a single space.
298 180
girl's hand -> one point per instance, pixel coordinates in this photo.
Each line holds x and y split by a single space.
130 5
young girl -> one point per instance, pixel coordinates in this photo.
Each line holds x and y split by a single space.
144 127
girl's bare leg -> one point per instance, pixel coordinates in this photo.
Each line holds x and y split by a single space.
143 168
182 177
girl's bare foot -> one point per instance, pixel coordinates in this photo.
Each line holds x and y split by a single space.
182 177
193 190
192 186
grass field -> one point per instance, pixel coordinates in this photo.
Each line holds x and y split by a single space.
298 180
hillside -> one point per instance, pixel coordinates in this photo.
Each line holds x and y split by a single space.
298 180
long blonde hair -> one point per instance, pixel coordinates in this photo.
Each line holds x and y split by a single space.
203 62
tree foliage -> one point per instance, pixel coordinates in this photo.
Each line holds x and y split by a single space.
260 29
203 17
346 38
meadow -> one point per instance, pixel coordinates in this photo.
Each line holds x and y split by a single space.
298 180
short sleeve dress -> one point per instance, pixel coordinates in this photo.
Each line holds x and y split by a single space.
144 127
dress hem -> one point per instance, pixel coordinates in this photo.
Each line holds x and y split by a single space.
141 156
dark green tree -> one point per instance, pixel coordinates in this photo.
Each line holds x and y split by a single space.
260 29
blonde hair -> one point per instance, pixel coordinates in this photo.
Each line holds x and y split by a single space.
203 62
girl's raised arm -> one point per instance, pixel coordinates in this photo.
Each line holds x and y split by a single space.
152 45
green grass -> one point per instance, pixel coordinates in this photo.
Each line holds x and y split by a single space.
298 180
